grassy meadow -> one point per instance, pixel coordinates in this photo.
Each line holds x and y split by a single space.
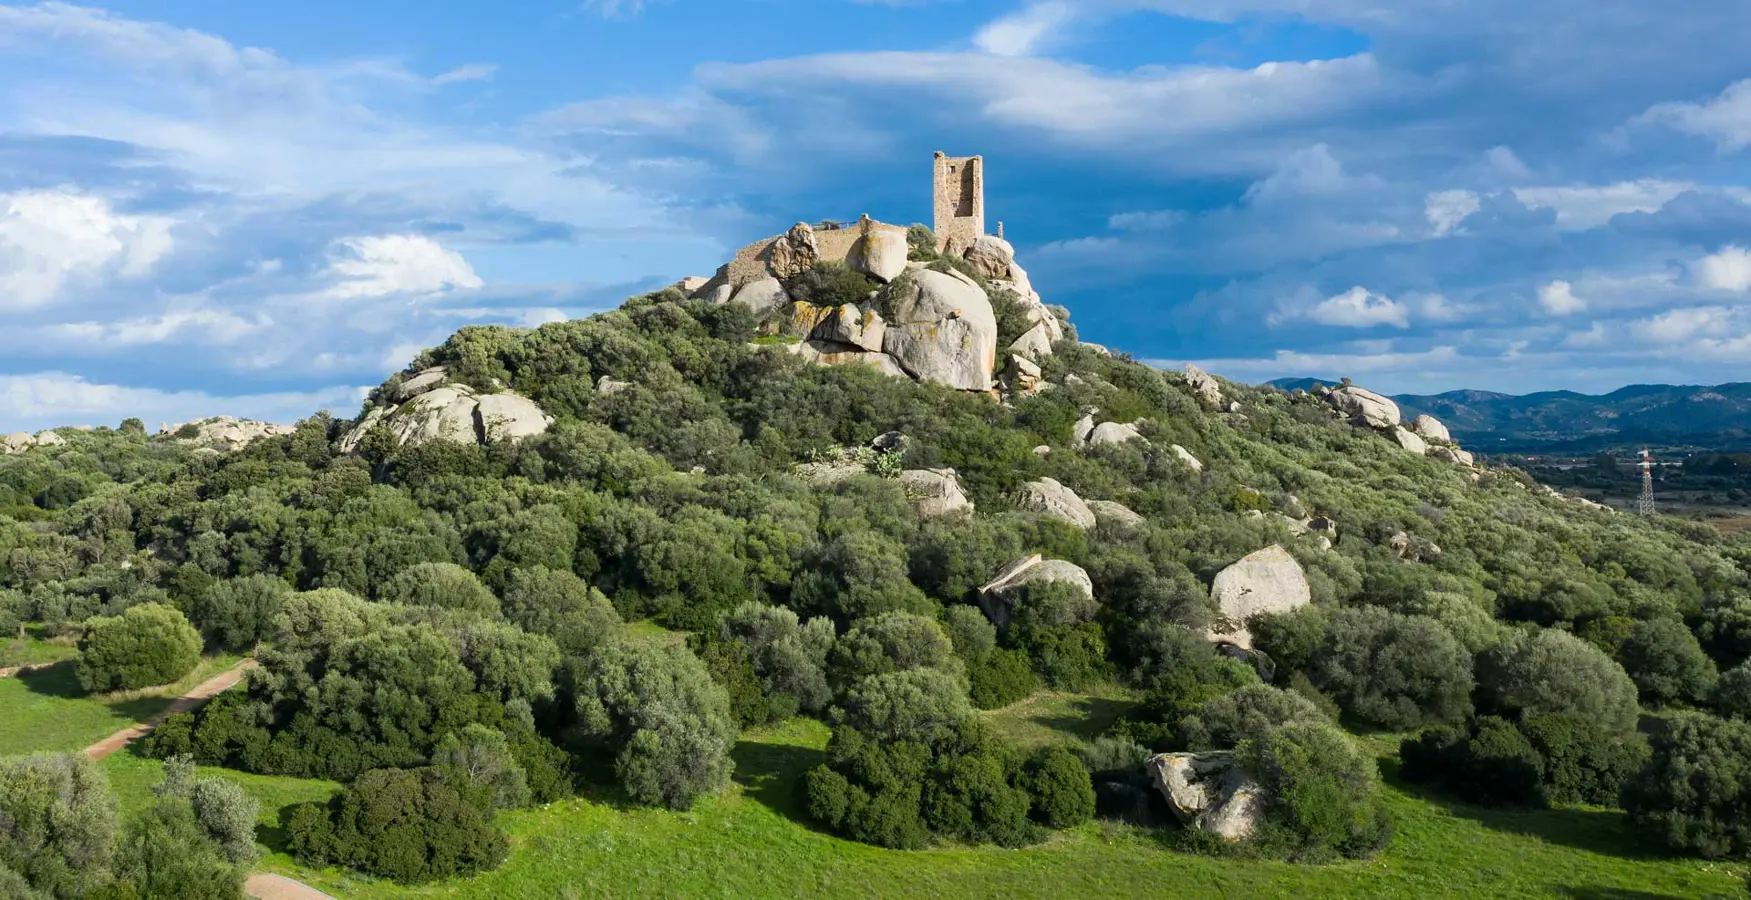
755 842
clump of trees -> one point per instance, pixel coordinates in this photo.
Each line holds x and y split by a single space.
146 645
1695 790
409 825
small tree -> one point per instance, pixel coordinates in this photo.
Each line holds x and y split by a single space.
60 822
1695 793
1246 714
1666 663
1732 697
409 825
562 606
440 585
1325 798
146 645
484 757
1397 671
1553 671
1062 793
237 613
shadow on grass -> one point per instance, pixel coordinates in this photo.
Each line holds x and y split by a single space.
1603 831
1089 719
57 680
772 775
1611 893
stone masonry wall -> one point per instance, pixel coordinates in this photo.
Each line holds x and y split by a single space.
959 199
750 263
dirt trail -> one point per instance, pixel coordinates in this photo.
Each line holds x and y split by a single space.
264 886
201 693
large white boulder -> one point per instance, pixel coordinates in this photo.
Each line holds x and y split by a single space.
851 324
762 296
943 331
997 598
1206 388
225 432
831 353
794 253
1050 498
994 258
456 412
935 492
508 416
17 442
1364 406
1454 455
419 384
1185 456
1114 515
1035 343
1210 792
49 439
1113 433
1410 441
1430 428
881 254
1268 581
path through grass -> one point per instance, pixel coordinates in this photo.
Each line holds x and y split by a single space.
48 710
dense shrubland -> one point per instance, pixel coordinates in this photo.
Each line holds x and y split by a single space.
441 625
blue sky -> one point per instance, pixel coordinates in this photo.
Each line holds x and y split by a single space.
262 208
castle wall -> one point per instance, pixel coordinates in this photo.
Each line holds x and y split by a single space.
959 199
751 262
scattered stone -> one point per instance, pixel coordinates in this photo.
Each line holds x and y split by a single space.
935 492
1268 581
829 353
998 597
1454 455
1050 498
1185 456
1084 427
1043 450
508 416
1113 433
49 439
1409 441
1210 792
1206 388
1097 348
1115 515
606 385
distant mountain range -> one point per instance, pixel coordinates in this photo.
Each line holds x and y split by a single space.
1661 415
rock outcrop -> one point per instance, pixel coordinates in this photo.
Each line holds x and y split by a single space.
1364 407
763 297
224 432
1410 441
1268 581
1114 433
935 492
1209 792
1185 456
17 442
795 252
1454 455
1203 386
1050 498
880 255
998 597
438 409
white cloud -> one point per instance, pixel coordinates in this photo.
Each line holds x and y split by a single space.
396 264
1154 220
49 399
1026 32
1580 207
1728 270
1310 171
201 326
1558 297
1680 325
1359 307
1287 362
1591 338
50 240
1445 210
1725 119
469 72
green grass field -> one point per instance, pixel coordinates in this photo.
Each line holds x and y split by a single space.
33 649
47 710
753 840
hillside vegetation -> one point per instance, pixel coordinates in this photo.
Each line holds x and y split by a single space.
467 629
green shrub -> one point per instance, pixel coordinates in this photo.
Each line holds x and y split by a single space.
238 613
1291 639
1725 629
562 606
668 723
1666 663
1060 790
1324 793
891 642
146 645
60 820
787 656
1396 671
440 585
1583 763
407 825
1244 714
1001 677
483 756
1054 625
1695 792
1732 697
1553 671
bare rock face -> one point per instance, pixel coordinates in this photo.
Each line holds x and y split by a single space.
1410 441
1205 387
850 324
1185 456
1115 515
1364 407
49 439
944 331
994 258
1035 343
1084 427
795 253
935 492
456 412
1454 455
227 432
762 296
419 384
17 442
998 597
1210 792
1430 428
830 353
1048 497
606 385
1268 581
1021 377
881 254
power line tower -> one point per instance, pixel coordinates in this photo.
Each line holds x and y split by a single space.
1644 505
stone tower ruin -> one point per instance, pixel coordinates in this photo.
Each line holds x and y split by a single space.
960 200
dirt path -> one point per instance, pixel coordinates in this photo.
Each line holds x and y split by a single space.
201 693
13 671
264 886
